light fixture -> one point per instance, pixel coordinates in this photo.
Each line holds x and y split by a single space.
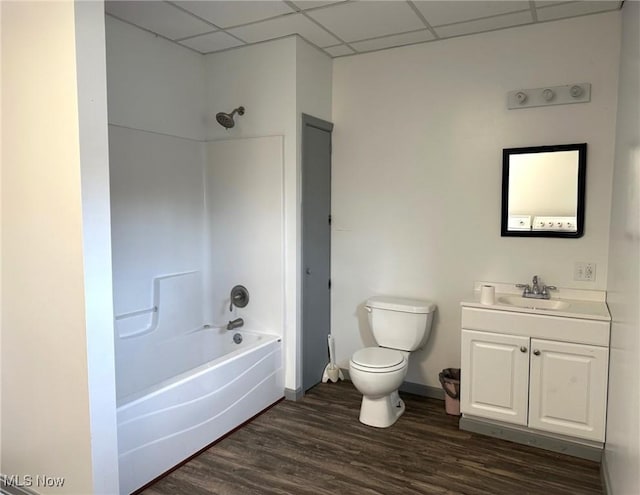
549 95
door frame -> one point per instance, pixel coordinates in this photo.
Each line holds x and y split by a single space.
306 121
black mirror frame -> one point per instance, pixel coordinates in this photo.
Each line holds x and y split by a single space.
582 174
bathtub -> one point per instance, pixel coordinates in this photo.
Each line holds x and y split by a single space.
188 392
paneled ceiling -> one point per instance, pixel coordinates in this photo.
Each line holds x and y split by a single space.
338 27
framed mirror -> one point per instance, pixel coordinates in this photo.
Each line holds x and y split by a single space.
543 189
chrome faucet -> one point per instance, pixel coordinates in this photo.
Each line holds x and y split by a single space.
535 291
237 323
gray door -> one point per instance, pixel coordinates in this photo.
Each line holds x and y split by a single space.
316 247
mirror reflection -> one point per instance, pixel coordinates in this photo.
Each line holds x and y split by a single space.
543 191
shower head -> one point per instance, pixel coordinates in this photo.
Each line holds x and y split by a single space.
226 119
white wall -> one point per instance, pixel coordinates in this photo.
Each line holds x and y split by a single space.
156 116
157 207
622 452
417 171
51 171
262 78
314 71
153 84
244 183
157 161
158 219
96 231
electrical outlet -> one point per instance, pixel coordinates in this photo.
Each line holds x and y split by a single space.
590 272
584 272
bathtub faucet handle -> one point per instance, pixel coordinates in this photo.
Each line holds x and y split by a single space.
236 299
239 297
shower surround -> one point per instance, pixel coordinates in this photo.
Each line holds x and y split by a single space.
190 220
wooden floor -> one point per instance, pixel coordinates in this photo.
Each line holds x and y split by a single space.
317 446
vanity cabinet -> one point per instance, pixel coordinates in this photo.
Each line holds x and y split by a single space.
515 369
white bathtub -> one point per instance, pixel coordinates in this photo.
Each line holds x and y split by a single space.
198 387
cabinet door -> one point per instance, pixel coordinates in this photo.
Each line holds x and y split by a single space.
568 388
494 381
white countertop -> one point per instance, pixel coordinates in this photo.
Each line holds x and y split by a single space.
585 304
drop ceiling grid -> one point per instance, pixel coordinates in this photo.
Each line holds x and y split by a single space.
227 14
355 21
286 25
338 27
158 17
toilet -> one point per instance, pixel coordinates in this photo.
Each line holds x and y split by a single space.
399 326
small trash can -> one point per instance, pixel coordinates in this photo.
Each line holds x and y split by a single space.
450 381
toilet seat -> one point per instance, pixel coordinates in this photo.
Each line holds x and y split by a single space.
378 360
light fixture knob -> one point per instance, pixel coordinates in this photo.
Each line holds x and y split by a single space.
576 91
521 97
548 94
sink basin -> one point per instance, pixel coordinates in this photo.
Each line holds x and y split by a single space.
530 303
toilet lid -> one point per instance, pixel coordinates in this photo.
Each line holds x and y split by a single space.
377 357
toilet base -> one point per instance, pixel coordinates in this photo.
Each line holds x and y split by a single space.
381 412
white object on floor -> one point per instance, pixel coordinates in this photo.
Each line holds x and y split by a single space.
332 371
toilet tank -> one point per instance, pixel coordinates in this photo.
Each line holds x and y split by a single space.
400 323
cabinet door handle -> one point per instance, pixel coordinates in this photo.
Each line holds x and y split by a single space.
536 352
523 349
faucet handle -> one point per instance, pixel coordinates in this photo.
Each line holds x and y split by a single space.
547 288
526 288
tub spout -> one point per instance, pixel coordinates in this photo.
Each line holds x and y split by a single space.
237 323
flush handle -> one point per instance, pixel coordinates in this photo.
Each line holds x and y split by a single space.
523 349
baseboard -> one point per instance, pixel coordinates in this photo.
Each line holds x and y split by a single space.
533 438
604 476
422 390
290 394
411 388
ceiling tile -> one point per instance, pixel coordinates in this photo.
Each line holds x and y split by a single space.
234 13
284 26
159 17
394 40
212 42
442 12
362 20
339 50
481 25
312 4
574 8
365 24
